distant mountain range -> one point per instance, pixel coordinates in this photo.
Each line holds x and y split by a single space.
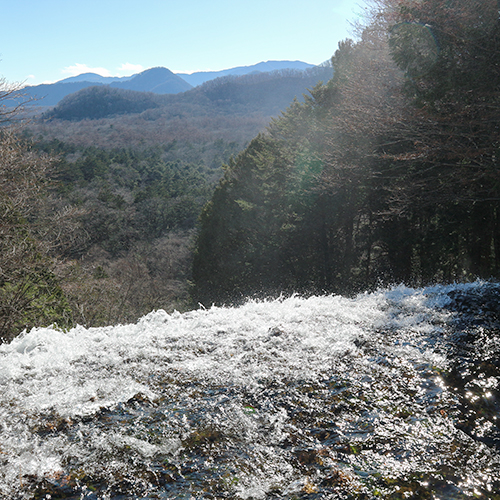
156 80
95 78
265 93
200 77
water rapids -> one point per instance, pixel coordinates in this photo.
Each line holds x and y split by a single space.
392 394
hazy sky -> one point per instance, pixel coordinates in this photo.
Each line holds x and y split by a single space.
47 40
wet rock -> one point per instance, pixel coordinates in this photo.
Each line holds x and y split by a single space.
477 306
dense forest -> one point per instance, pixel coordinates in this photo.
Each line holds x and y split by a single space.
387 173
93 236
116 202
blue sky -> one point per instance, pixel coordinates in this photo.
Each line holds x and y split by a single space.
47 40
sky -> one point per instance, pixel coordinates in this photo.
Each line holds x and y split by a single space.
43 41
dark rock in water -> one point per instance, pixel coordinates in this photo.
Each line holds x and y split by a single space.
474 348
275 332
478 305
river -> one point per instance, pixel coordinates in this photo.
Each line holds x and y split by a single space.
390 394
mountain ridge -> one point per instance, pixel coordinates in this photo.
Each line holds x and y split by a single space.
158 80
94 77
200 77
146 81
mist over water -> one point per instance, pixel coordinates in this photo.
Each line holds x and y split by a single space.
389 393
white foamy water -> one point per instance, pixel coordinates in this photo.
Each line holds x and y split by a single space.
287 397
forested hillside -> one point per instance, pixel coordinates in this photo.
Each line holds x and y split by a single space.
232 109
91 236
386 173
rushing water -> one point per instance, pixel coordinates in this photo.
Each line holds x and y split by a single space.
392 394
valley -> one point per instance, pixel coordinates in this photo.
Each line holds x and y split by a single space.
130 172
